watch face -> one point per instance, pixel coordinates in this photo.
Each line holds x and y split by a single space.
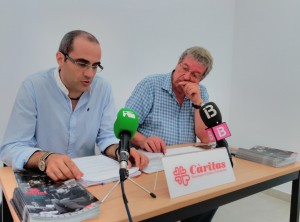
42 165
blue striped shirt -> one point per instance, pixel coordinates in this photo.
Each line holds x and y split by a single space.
42 119
159 112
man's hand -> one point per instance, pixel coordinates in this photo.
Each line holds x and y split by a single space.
62 167
154 144
140 160
191 91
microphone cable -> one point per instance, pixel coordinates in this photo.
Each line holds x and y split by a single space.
125 201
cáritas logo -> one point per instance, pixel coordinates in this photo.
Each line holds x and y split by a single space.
182 176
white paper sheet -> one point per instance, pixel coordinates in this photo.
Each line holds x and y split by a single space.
155 159
100 169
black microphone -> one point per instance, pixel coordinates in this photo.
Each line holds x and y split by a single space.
212 118
125 127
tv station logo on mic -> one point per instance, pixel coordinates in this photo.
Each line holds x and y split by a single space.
210 111
129 114
217 130
126 121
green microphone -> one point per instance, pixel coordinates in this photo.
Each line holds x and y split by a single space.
125 127
127 121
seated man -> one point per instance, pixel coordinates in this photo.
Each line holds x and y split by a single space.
63 112
168 106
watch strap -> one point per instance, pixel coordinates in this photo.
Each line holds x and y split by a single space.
42 161
197 106
46 155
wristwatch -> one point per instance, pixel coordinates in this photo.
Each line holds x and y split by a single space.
42 161
196 106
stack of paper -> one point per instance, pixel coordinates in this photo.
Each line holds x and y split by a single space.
267 155
100 169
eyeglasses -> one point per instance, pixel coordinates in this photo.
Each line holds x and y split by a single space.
195 75
84 66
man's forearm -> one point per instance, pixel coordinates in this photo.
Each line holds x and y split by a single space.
111 151
200 128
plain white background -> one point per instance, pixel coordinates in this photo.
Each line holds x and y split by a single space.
255 45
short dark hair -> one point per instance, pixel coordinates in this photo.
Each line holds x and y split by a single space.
66 44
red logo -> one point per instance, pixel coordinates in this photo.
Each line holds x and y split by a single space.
181 177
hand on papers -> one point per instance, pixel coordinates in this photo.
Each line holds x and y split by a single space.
100 169
154 144
140 160
62 167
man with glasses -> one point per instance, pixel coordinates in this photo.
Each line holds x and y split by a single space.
168 107
63 112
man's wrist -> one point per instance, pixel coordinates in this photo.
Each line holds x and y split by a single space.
42 164
117 151
198 106
111 151
33 160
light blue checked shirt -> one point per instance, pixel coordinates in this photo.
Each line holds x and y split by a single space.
42 119
159 112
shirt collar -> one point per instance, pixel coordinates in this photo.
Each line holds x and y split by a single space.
167 84
62 87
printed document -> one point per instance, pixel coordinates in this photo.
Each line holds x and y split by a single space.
100 169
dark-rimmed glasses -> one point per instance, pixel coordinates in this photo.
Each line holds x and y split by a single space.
84 66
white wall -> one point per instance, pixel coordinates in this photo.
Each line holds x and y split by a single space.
265 93
138 38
